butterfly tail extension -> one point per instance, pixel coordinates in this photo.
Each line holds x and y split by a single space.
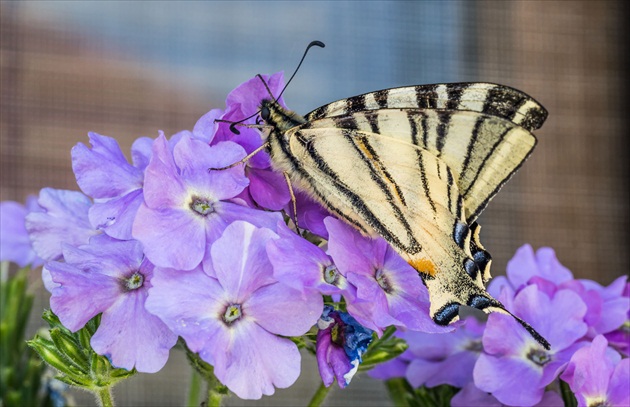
496 306
449 290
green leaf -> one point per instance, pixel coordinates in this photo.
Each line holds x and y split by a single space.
401 393
21 370
70 348
383 349
75 360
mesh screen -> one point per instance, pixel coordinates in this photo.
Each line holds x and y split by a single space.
130 69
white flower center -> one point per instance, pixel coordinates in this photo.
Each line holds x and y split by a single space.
232 313
135 281
201 206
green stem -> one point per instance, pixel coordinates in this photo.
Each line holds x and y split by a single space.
567 395
214 397
105 397
216 390
319 396
193 390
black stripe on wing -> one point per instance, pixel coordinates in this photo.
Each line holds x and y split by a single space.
354 200
275 138
378 171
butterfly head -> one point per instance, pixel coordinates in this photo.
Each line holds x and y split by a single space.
278 117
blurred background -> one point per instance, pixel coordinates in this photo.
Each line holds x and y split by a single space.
129 69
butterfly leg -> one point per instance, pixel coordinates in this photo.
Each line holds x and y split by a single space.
293 200
241 161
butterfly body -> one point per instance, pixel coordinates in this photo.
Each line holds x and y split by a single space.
415 165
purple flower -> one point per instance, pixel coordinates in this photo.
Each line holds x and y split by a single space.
15 245
302 265
608 307
234 318
267 188
111 277
620 338
389 291
103 173
341 342
598 376
525 265
186 207
471 396
205 129
514 367
446 358
393 368
64 220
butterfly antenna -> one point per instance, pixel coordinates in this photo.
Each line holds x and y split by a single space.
312 44
233 124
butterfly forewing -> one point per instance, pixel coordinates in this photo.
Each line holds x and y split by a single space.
483 151
390 186
495 100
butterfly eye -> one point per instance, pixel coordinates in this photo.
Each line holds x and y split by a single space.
265 113
446 314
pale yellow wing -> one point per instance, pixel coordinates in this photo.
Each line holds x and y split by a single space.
483 151
402 193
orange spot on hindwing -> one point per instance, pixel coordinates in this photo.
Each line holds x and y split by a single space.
424 266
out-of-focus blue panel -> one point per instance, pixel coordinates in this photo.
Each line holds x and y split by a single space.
216 45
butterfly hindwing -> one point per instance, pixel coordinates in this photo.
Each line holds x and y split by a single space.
398 191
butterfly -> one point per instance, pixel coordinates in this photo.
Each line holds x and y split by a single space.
415 165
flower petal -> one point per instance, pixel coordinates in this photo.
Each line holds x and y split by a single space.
268 188
15 244
132 337
206 127
189 303
512 381
80 295
64 221
116 215
163 186
171 237
103 171
618 389
283 310
194 158
240 261
250 361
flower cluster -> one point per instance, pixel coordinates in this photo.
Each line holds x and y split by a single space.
180 242
495 363
195 239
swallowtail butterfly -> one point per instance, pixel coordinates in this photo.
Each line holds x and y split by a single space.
415 165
